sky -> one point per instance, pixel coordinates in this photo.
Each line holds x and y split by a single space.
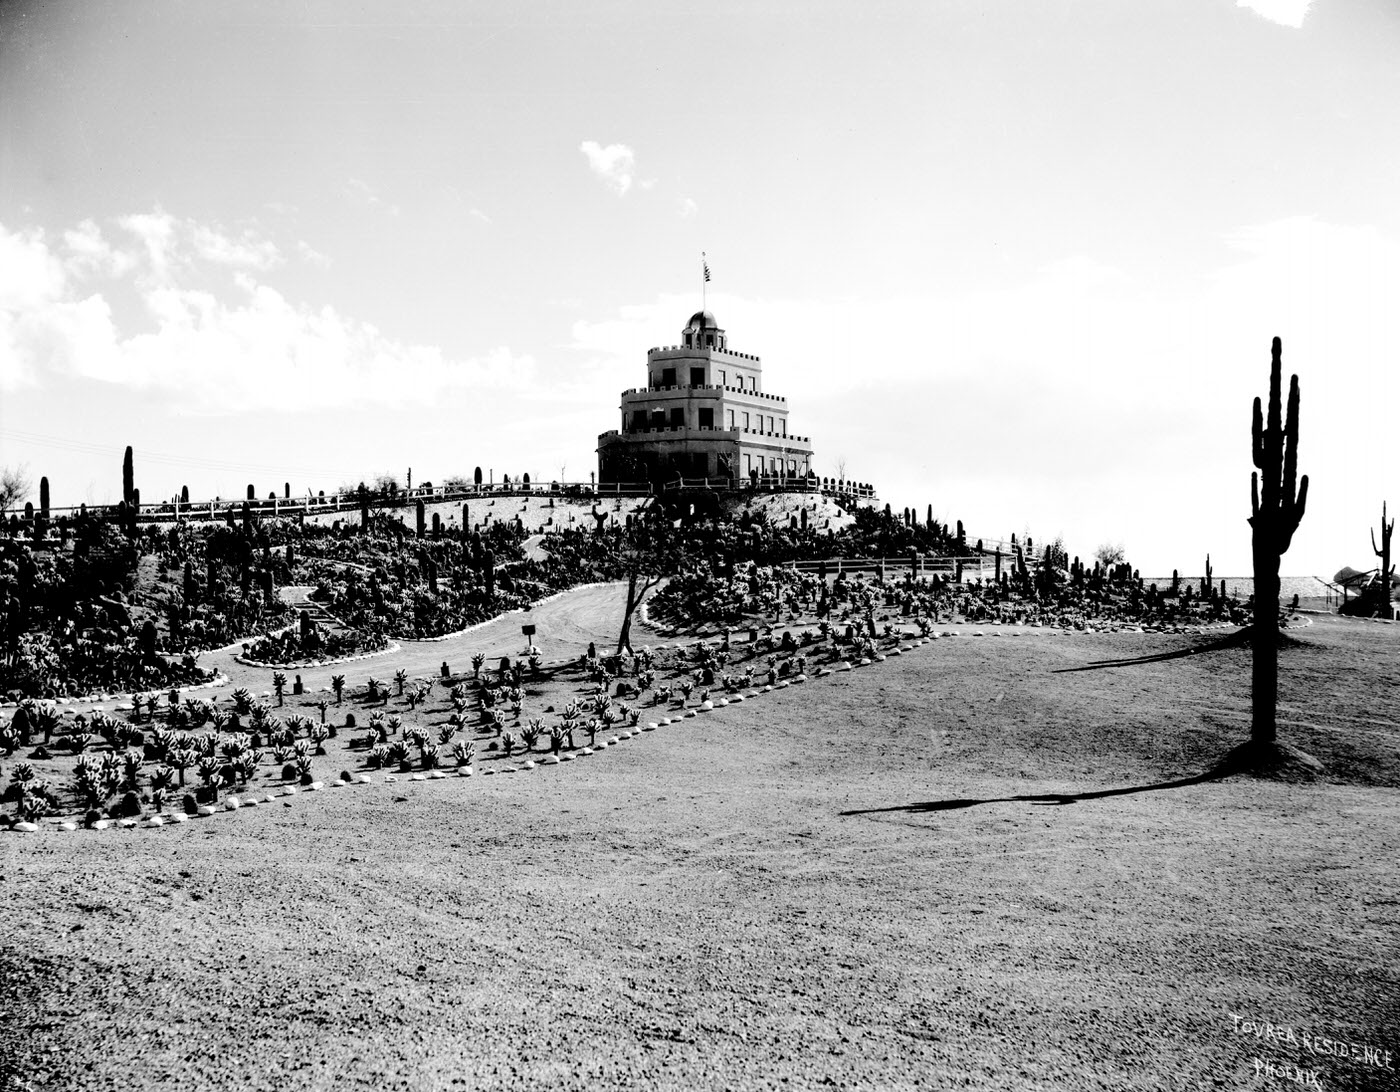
1019 261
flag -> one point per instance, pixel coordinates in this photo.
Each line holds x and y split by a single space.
706 267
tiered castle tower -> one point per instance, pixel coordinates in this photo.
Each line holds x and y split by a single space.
702 414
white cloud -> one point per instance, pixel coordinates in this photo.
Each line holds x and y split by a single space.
168 247
614 164
246 251
241 347
1288 13
360 192
311 255
90 252
688 208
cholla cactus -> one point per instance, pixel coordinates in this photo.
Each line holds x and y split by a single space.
161 740
530 734
36 799
378 727
321 706
247 766
377 756
299 725
446 732
319 733
428 755
87 781
242 701
282 754
302 749
279 685
398 753
556 739
181 756
478 659
464 751
208 770
394 724
687 688
303 767
338 685
400 678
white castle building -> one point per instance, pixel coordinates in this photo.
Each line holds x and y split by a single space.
703 414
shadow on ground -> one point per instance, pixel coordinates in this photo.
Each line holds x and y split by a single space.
1042 799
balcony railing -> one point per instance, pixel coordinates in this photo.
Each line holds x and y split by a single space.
704 387
779 436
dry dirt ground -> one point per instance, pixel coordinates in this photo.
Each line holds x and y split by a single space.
962 868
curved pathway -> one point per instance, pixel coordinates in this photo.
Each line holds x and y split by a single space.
563 628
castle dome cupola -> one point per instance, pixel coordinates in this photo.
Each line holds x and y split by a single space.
702 332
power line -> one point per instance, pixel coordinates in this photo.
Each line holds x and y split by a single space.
192 462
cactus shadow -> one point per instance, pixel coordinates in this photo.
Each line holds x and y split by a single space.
1043 799
1239 639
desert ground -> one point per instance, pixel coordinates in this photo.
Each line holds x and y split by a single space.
967 866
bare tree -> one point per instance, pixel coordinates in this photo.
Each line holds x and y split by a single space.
650 550
1110 554
14 485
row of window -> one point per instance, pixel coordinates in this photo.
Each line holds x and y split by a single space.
697 379
659 418
755 462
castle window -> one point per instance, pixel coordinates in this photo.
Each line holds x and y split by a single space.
697 377
721 377
731 418
746 422
668 377
639 420
658 418
707 418
677 417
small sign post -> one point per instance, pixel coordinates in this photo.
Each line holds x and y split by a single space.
529 631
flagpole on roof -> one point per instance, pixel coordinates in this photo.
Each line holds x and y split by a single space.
704 278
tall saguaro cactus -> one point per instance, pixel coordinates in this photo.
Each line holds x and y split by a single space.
1387 570
1278 499
128 475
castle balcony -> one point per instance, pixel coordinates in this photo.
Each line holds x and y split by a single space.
746 391
713 433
